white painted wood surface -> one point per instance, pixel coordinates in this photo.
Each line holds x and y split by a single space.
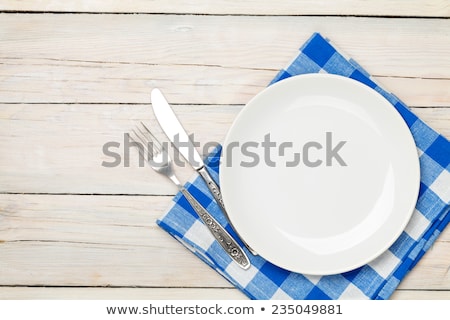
422 8
71 82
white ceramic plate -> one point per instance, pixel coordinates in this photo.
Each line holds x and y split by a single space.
334 184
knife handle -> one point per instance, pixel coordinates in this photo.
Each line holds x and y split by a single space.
215 190
222 236
213 187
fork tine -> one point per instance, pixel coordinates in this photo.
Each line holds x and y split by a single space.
135 138
144 149
148 143
138 144
156 144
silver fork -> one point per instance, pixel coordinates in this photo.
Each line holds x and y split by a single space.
159 159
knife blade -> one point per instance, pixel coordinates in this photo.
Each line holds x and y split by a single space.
174 130
181 141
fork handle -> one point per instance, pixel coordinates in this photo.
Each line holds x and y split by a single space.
222 236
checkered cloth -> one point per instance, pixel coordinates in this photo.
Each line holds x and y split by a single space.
376 280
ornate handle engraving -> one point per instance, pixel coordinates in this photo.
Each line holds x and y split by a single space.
215 190
221 235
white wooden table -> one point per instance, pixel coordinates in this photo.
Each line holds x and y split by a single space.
75 75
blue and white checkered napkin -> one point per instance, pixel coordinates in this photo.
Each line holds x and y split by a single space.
376 280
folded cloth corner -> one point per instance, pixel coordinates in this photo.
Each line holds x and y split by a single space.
376 280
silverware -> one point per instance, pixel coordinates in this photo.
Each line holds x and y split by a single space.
160 161
181 141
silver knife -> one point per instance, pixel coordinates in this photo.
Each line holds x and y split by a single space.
181 141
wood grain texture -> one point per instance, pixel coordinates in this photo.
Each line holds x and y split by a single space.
119 58
65 293
422 8
72 240
71 228
58 148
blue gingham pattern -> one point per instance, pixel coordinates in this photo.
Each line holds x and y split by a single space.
376 280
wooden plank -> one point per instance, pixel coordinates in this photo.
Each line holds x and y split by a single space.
202 40
40 160
423 8
420 295
68 293
49 240
199 59
86 82
94 241
59 148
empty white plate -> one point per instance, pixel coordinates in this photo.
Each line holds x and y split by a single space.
319 174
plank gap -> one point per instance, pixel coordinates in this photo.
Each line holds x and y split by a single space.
121 287
173 13
87 194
